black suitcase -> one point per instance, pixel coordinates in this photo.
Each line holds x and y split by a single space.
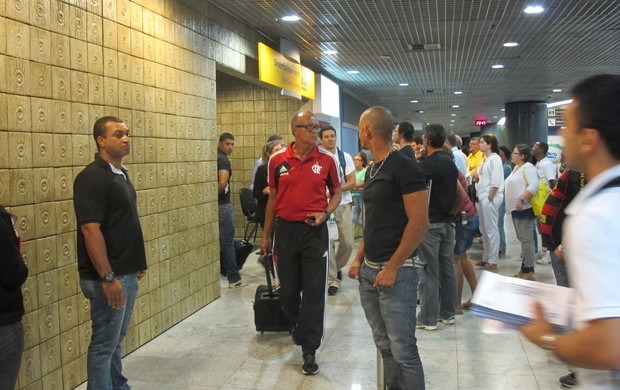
268 314
242 251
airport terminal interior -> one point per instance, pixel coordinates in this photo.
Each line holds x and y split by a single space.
180 73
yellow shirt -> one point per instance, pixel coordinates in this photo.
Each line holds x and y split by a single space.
474 160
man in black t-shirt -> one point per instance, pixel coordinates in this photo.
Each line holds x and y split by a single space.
110 249
438 284
226 217
396 204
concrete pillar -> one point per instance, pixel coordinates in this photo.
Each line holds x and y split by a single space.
526 123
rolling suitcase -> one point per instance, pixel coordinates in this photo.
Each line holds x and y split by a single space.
268 314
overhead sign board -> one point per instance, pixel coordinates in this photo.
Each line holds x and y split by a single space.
276 69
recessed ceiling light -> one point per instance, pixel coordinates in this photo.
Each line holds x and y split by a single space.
452 114
533 9
451 125
494 116
421 111
557 90
455 106
353 71
385 56
511 44
414 101
330 52
458 92
502 109
403 84
497 66
291 18
452 120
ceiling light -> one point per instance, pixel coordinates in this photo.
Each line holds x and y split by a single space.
414 101
291 18
421 111
497 66
403 84
502 109
330 52
557 90
452 114
511 44
452 120
451 125
563 102
502 121
494 116
458 92
385 56
455 106
533 9
353 71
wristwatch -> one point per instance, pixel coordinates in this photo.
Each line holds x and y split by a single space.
108 277
548 341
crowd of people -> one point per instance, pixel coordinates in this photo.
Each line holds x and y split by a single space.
436 197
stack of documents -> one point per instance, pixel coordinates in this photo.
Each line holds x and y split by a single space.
511 300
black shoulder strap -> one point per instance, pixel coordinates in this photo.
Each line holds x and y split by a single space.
343 163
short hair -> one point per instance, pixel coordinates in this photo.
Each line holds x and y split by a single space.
451 137
99 127
506 151
598 98
405 129
418 139
268 148
448 151
435 134
380 120
543 146
474 139
459 141
275 137
327 128
225 136
491 140
364 158
525 151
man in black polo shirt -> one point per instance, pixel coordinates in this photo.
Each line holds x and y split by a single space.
110 249
438 284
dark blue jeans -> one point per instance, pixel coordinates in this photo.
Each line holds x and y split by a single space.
226 220
390 312
109 329
11 349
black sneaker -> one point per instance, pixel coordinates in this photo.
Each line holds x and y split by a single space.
339 275
332 290
569 380
310 367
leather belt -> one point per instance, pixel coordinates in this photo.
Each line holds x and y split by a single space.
413 261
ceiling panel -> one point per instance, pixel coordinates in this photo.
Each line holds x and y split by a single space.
570 40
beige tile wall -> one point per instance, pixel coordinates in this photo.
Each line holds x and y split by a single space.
251 113
63 64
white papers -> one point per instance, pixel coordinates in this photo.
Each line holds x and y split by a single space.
511 301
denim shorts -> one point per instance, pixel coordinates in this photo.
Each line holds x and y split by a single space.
464 236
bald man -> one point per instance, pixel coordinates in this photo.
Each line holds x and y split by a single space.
386 264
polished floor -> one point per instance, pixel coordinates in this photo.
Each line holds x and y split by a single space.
218 348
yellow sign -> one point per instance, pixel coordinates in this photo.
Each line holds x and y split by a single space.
275 69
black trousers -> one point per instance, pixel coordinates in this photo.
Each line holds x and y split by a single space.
301 253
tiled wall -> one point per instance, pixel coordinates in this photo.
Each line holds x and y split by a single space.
251 113
63 64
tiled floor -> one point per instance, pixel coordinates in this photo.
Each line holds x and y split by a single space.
218 348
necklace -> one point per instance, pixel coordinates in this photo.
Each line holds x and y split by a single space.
372 175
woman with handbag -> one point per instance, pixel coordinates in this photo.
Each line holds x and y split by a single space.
520 186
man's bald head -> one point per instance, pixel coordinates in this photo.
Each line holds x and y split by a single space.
380 121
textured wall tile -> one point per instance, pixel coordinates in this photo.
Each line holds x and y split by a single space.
20 144
72 373
31 329
65 216
110 90
41 80
40 45
17 39
78 23
124 39
52 380
124 94
31 365
95 89
68 309
63 183
82 155
68 282
61 83
94 32
21 186
70 342
109 10
81 123
49 325
137 43
47 287
17 74
123 12
79 86
110 34
66 248
59 17
31 297
50 355
95 59
85 333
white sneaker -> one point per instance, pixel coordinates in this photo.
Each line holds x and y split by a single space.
420 325
240 283
542 257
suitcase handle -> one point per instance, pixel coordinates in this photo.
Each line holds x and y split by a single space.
267 261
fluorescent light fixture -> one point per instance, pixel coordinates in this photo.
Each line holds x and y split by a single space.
330 52
497 66
533 9
455 106
291 18
385 56
511 44
452 120
451 125
458 92
560 103
502 109
557 90
414 101
403 84
502 121
494 116
353 71
421 111
452 114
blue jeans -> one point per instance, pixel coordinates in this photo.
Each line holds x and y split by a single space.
11 349
358 204
109 328
464 236
559 270
438 284
226 220
390 312
500 225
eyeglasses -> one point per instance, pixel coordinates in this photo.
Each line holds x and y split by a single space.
309 127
